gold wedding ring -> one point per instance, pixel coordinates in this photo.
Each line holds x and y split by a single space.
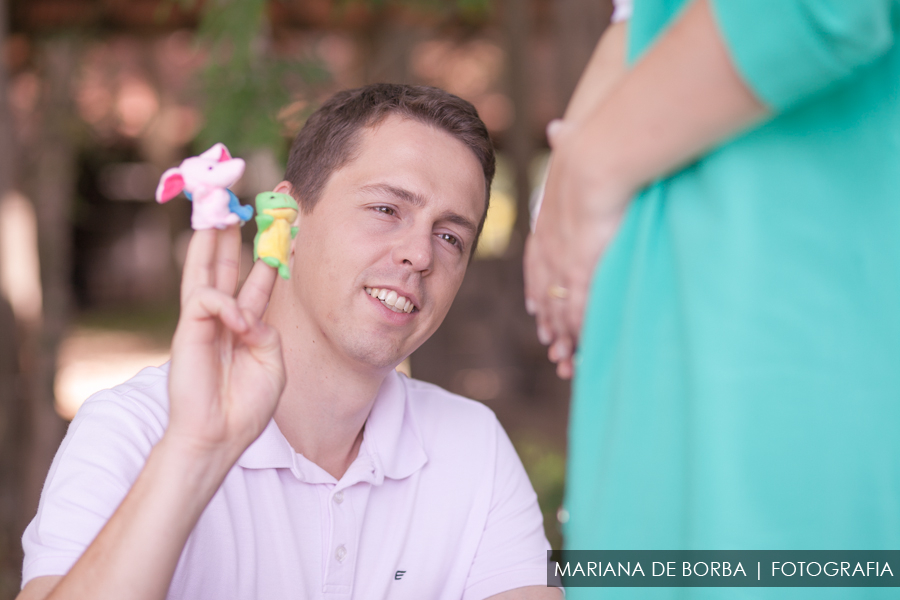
557 291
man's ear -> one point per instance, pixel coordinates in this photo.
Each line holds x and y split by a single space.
284 188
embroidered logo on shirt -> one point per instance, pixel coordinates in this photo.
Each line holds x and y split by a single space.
399 574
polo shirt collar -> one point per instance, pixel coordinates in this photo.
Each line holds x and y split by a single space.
391 445
391 437
271 450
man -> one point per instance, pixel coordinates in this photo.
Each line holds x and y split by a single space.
360 483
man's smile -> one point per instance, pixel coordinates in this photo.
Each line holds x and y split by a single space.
392 300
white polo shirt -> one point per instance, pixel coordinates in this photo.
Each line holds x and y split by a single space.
436 505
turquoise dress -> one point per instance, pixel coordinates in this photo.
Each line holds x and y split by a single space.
738 383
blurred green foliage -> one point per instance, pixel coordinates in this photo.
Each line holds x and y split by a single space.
546 467
245 84
465 9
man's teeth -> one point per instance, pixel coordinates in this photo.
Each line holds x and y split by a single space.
392 299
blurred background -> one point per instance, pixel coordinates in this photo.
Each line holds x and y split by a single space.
98 97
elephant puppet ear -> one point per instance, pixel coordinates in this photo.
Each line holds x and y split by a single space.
218 153
170 184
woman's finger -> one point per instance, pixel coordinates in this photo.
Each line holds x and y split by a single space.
561 353
562 342
198 264
560 350
228 259
565 369
535 284
257 289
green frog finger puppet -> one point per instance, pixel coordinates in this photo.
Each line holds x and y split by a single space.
274 214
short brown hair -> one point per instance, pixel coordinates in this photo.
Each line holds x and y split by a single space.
330 137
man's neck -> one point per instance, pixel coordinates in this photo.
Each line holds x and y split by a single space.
326 399
323 410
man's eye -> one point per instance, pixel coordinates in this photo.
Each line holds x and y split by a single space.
449 238
386 210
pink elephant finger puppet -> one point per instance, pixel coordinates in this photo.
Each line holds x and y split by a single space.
205 180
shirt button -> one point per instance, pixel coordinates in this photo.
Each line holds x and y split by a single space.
339 497
340 553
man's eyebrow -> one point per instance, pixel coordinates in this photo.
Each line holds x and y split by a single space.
417 200
461 221
392 190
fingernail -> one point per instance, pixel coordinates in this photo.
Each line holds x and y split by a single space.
530 306
544 336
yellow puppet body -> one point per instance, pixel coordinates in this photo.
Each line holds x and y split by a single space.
275 214
274 241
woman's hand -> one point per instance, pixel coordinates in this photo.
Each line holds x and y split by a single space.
580 214
561 254
681 98
227 371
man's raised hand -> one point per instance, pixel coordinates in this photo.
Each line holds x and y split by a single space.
226 377
227 370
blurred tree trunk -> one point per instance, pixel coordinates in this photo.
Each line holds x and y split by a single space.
579 24
30 430
386 44
53 190
11 415
11 452
519 146
7 153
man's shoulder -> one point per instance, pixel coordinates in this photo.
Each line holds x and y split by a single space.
430 400
443 418
143 399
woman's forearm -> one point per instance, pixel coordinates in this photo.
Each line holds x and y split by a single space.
604 70
681 98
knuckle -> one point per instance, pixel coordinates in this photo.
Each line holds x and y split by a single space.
228 263
207 299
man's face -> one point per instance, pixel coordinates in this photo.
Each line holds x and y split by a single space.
399 221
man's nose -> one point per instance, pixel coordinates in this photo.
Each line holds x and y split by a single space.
416 250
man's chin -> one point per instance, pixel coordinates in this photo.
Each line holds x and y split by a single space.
378 356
